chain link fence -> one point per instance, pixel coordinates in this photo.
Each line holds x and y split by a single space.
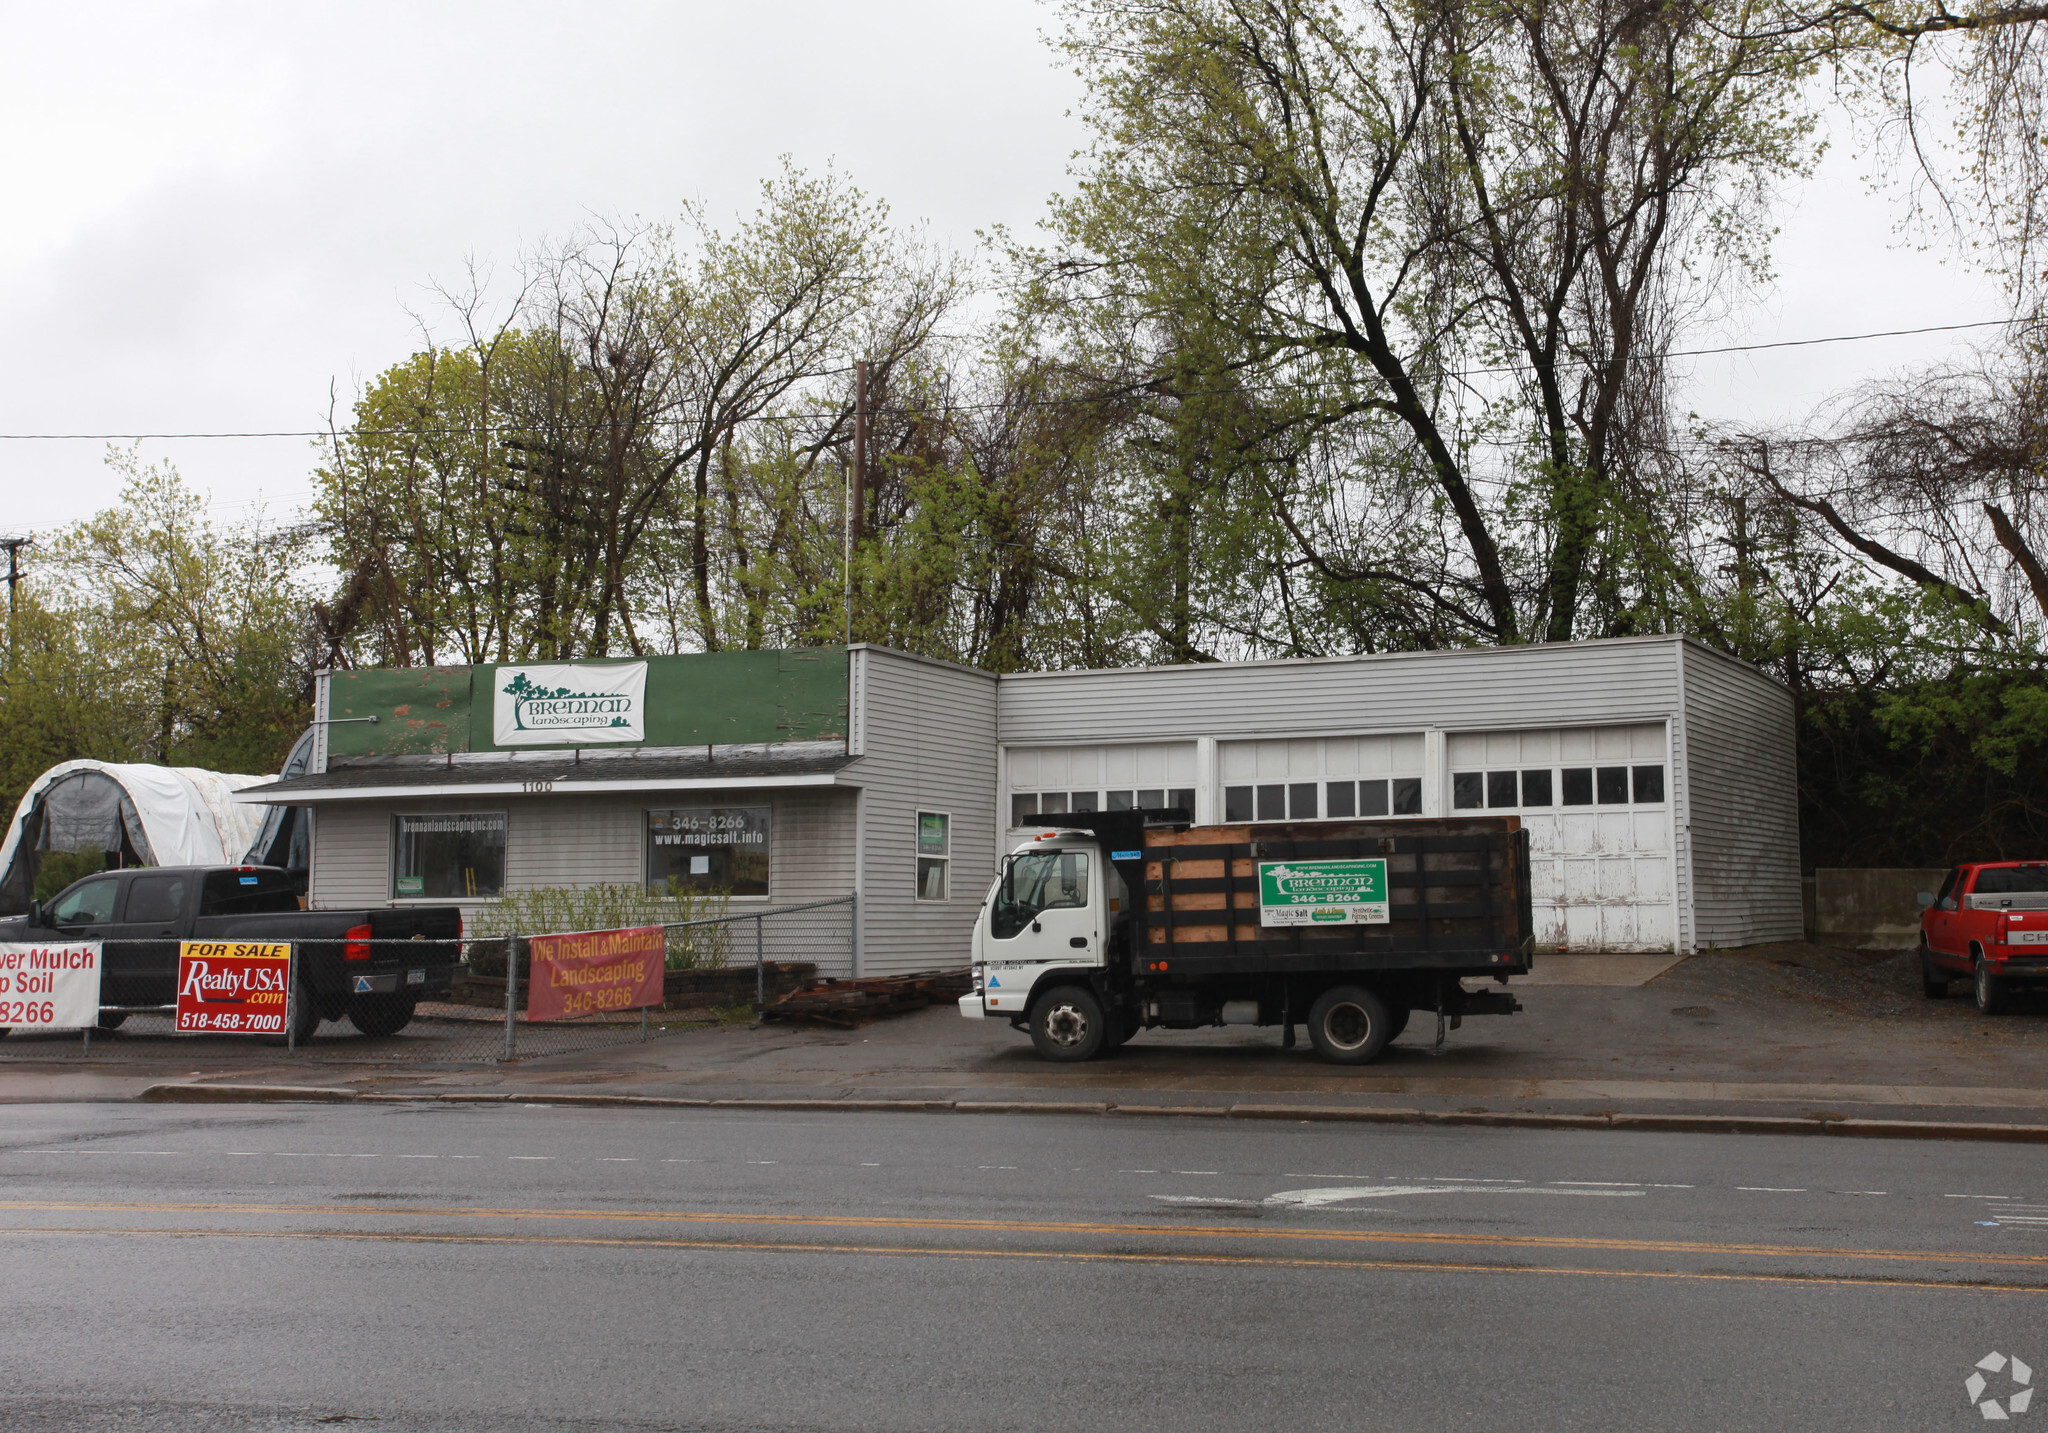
407 1002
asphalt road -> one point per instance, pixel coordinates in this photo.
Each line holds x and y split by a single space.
433 1267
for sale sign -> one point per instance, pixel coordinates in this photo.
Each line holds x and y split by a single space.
595 970
1323 893
233 987
49 987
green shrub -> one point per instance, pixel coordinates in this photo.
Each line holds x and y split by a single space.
547 910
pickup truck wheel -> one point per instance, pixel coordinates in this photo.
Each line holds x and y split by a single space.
1933 982
381 1014
111 1019
1988 988
1067 1024
305 1015
1349 1025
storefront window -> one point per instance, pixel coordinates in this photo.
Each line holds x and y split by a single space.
709 848
934 848
450 857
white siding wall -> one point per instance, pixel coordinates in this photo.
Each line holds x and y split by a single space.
592 840
1625 679
1742 802
929 733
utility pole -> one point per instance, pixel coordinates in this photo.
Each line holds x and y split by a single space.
857 496
14 545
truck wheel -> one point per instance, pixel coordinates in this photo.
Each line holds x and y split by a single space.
111 1020
1397 1021
1933 982
1988 988
305 1015
1067 1024
381 1014
1349 1025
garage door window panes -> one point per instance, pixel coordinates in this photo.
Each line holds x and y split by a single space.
1531 790
1321 778
709 848
1027 807
459 857
1047 782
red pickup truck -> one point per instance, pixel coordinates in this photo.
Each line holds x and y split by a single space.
1989 921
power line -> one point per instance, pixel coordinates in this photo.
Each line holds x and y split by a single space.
939 408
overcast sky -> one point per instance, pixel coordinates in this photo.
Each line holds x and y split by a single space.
220 213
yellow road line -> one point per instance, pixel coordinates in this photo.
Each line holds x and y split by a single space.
1079 1256
1004 1226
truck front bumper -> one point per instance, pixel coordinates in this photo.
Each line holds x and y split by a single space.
971 1006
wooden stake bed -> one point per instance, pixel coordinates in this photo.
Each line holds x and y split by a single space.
1457 888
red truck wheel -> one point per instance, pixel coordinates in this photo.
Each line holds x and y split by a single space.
1988 988
1933 982
1349 1025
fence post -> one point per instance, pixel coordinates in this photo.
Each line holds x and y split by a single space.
760 969
511 991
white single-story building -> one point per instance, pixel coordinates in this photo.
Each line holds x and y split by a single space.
1656 777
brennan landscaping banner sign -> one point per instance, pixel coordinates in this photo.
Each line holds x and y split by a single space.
595 970
1323 893
569 704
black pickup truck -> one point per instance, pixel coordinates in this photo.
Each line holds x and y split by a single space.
374 966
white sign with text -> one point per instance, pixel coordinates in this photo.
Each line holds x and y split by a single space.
569 704
49 987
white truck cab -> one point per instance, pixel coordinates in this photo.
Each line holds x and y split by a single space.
1052 907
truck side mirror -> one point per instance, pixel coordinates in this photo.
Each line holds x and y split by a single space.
35 915
1926 899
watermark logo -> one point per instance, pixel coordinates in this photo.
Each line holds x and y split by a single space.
2011 1394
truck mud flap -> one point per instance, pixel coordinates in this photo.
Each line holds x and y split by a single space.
1480 1002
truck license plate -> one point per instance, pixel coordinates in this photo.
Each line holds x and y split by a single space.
415 977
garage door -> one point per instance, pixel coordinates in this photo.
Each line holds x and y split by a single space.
1047 780
1596 802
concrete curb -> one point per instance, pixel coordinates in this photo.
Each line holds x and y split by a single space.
246 1094
1344 1114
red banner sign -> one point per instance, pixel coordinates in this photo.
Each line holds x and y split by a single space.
595 970
233 987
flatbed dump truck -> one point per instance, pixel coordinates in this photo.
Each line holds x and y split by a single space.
1111 922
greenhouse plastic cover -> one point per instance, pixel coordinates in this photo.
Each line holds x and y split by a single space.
171 815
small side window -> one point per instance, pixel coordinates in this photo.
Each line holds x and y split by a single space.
1946 900
1407 795
1237 803
1468 790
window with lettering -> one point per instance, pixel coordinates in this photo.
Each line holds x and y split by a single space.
709 848
450 856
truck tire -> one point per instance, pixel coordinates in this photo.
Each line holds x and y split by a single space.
1933 982
1067 1024
1397 1021
381 1014
111 1020
305 1015
1988 988
1349 1025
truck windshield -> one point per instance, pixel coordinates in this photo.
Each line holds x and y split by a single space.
1037 881
2012 881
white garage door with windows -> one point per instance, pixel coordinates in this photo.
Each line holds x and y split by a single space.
1321 778
1049 780
1596 802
